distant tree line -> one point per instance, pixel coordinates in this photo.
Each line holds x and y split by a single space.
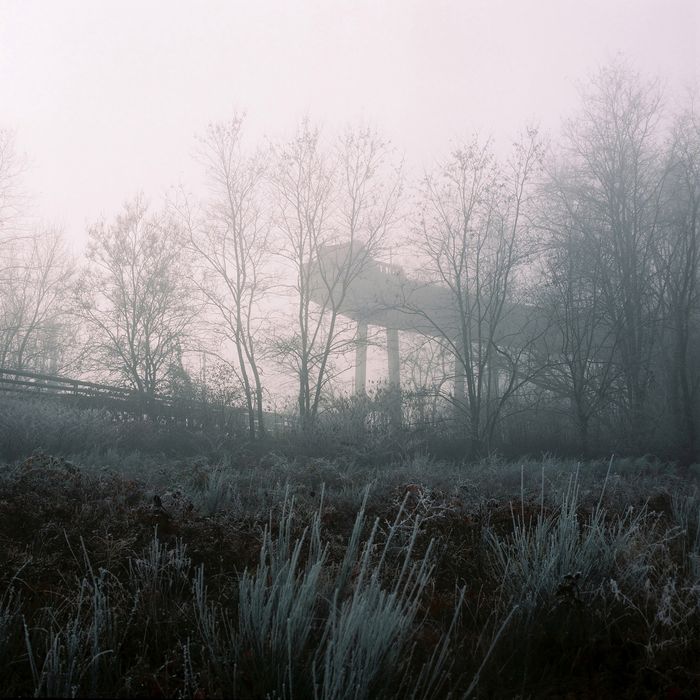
573 267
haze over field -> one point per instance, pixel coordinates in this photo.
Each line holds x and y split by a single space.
349 349
212 201
105 98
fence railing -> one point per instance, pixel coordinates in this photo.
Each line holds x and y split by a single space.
24 381
127 404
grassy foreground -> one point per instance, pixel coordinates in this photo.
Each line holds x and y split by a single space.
269 577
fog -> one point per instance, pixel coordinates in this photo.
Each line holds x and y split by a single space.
488 206
106 98
349 348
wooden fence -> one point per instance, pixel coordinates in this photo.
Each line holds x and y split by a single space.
126 404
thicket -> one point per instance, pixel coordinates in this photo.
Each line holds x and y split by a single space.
386 574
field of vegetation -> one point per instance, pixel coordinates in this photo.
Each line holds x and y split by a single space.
142 561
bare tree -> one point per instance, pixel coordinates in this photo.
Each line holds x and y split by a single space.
34 323
35 272
11 198
334 210
680 263
428 368
471 233
230 239
134 299
616 180
12 205
580 345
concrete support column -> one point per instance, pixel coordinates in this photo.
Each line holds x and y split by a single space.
392 346
361 359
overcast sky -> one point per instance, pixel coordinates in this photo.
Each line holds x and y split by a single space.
106 97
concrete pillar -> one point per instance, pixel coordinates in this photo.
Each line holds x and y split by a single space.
392 346
361 359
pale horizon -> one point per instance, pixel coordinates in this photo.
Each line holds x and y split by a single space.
105 99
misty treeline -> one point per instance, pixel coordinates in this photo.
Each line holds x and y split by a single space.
572 265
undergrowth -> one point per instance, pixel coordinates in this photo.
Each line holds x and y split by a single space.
309 578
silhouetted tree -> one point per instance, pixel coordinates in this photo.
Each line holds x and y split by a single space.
471 232
612 194
134 298
11 198
229 235
680 265
35 327
580 366
334 210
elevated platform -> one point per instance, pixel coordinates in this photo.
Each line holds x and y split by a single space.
379 294
383 295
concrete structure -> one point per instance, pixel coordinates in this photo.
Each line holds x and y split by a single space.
380 294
